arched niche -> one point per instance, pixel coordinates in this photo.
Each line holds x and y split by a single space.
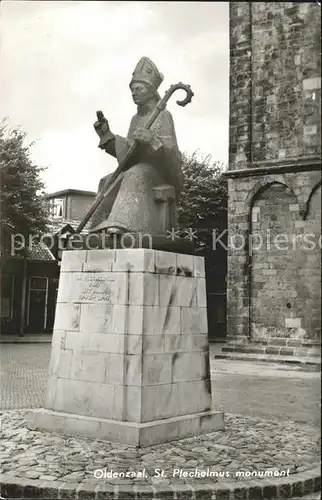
276 306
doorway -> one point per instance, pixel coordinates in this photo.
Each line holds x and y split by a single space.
37 304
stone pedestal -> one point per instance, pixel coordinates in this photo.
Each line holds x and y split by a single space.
130 357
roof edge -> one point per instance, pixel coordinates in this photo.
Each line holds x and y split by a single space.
64 192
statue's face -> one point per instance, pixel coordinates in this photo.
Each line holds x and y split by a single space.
141 93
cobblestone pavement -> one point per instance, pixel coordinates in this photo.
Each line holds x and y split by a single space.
253 389
246 445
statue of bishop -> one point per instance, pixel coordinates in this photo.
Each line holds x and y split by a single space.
154 177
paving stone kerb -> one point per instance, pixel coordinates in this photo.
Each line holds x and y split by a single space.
42 465
305 483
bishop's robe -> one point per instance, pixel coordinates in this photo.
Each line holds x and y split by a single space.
131 205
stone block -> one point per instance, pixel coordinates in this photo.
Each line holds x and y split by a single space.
310 130
286 351
119 432
185 264
163 320
312 83
201 293
119 402
157 369
143 289
254 219
297 59
99 261
96 318
50 392
165 262
133 403
64 367
193 397
126 319
178 291
113 431
177 428
275 341
77 341
272 350
133 344
159 433
58 342
37 420
65 283
211 420
178 343
115 368
67 316
159 401
73 261
88 366
154 344
127 403
240 208
188 426
106 342
134 260
294 343
81 427
84 398
293 322
72 396
133 369
189 366
199 342
194 320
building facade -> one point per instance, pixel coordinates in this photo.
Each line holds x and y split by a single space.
274 176
69 205
66 210
28 292
29 284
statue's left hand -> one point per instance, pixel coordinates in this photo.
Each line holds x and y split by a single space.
142 135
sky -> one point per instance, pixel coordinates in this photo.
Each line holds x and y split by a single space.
63 60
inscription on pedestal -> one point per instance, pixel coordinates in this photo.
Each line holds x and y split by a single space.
95 288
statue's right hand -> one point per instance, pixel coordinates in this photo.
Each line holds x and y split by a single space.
101 126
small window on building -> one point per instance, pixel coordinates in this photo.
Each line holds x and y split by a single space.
38 283
7 289
56 207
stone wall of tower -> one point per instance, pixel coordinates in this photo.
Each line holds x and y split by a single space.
274 242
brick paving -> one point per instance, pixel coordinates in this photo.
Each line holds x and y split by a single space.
23 375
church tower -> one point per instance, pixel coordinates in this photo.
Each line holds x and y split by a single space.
274 176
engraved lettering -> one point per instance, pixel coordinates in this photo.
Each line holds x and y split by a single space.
96 288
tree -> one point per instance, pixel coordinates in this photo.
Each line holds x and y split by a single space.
23 209
203 203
